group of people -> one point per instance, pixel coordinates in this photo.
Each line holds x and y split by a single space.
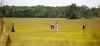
55 27
6 38
12 27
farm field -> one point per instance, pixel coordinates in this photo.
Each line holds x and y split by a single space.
36 32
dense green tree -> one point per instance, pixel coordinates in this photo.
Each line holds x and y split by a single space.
72 11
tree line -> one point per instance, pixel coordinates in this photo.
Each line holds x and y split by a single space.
72 11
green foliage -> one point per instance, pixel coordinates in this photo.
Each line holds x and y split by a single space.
72 11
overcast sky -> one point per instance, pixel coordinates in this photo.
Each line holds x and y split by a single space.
90 3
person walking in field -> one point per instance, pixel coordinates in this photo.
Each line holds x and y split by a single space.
56 26
8 41
1 24
52 26
5 39
83 27
13 28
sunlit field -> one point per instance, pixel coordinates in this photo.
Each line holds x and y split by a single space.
37 32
